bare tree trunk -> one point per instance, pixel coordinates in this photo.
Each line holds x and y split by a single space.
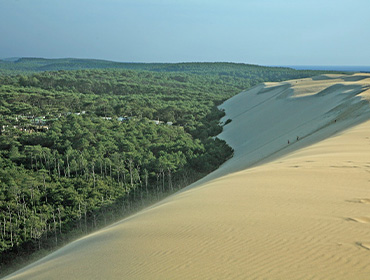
44 183
55 230
48 163
44 155
24 206
55 162
163 186
36 163
118 175
169 179
60 221
85 214
68 169
131 173
11 227
146 183
81 164
58 168
158 177
31 161
94 221
93 173
79 215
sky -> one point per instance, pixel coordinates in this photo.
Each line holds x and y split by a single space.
265 32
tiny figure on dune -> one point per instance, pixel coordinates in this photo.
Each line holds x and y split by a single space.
288 142
297 138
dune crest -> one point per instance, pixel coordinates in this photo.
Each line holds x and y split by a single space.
276 210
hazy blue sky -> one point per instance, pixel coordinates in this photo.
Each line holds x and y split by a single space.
268 32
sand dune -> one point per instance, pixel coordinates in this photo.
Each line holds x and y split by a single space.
274 211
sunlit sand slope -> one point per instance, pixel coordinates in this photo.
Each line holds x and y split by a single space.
295 214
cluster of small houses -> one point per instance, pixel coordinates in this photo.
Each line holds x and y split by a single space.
35 124
40 124
125 119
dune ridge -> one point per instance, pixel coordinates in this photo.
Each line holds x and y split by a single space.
274 211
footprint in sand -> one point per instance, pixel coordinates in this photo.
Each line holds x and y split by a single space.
365 245
360 200
362 220
344 166
365 200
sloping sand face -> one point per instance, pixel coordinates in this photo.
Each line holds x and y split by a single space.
268 120
304 215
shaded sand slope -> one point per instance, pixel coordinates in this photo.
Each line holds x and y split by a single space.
303 215
271 114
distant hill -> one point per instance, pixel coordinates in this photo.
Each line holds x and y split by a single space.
220 69
12 59
43 64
